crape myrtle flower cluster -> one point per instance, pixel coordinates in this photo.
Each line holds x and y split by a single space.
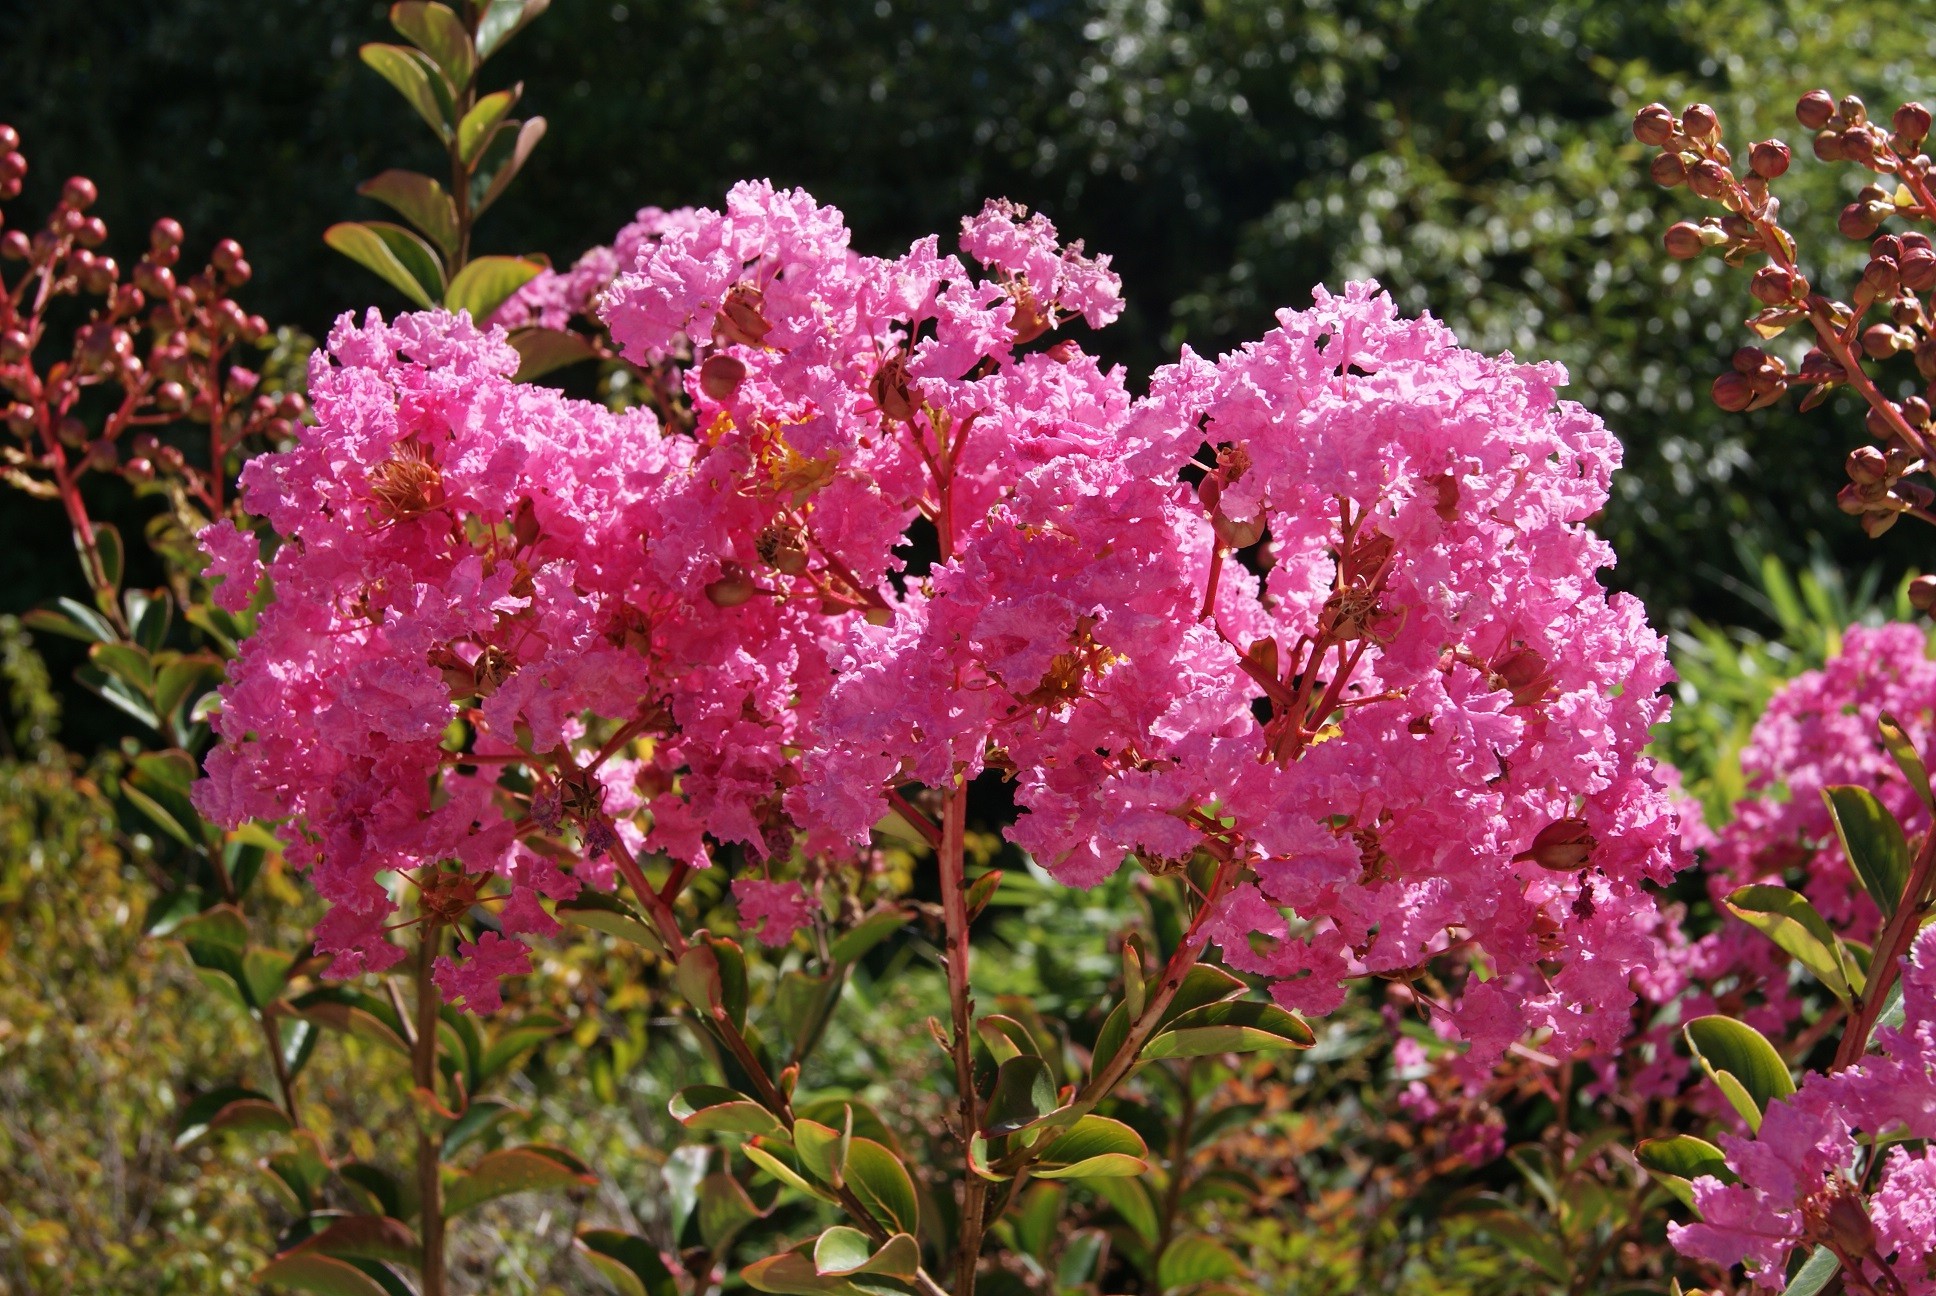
1806 1179
1325 610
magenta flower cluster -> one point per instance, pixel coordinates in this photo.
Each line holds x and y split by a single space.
1327 609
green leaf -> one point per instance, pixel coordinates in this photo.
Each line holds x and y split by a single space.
1079 1258
724 1209
543 350
504 19
866 934
1815 1274
419 200
483 285
1131 1201
714 1109
481 123
1791 922
354 1013
323 1275
368 244
1194 1259
823 1149
114 554
1094 1146
264 971
608 914
222 925
1038 1217
1024 1093
363 1237
769 1159
508 1171
412 74
512 1042
1240 1026
230 1108
384 1191
503 158
439 32
1908 759
300 1169
628 1262
476 1121
77 622
1681 1158
1873 841
881 1182
1729 1050
801 1005
1203 984
150 617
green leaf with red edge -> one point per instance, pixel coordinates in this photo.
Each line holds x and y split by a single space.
319 1274
878 1178
416 77
503 19
439 32
628 1262
300 1170
419 200
1679 1159
232 1109
716 1109
508 1171
724 1209
475 131
363 1237
394 255
611 915
1203 984
1238 1026
486 283
1907 758
870 931
504 156
1093 1147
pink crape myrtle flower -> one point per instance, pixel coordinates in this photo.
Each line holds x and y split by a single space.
1797 1181
772 911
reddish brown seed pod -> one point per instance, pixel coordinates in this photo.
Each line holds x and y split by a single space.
79 193
1769 159
1654 125
1732 392
1701 122
1911 122
1683 241
1668 171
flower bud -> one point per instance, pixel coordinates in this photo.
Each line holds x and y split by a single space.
1828 146
1237 534
1880 341
1709 179
1732 392
226 255
1858 221
1654 125
14 246
79 193
1867 466
166 233
13 166
13 347
732 588
20 420
1911 122
1922 593
171 396
1668 170
1814 109
1851 109
740 317
102 457
1773 285
1858 145
1563 846
1701 122
1768 159
1918 268
720 376
1882 276
9 138
890 390
1684 241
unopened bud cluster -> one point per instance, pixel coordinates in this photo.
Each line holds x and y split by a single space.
155 339
1885 314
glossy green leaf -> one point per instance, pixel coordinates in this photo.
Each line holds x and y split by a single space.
412 74
514 1041
776 1160
385 1192
629 1263
1788 919
1024 1093
306 1271
1728 1049
484 285
363 1237
611 915
419 200
1203 984
1240 1026
230 1108
508 1171
367 244
439 32
300 1170
1815 1274
1681 1158
715 1109
477 1120
724 1209
870 931
823 1149
1873 841
503 19
505 156
474 132
1907 758
542 351
1093 1147
881 1182
114 554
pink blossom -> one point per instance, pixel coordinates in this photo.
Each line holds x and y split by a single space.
234 563
772 911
